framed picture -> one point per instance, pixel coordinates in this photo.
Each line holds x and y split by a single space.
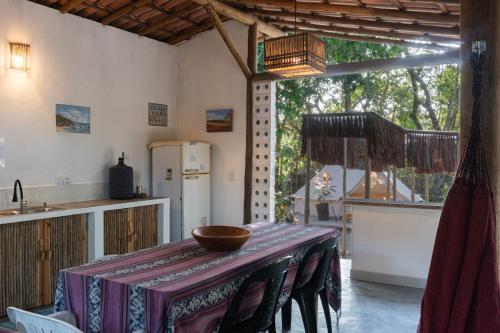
158 114
72 119
220 120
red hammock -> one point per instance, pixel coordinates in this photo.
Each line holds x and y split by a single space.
462 294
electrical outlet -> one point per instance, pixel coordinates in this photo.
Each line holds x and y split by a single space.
63 180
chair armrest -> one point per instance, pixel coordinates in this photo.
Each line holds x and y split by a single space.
65 316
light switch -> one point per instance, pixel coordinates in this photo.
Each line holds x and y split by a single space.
2 153
231 177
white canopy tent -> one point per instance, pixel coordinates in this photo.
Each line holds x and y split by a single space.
355 189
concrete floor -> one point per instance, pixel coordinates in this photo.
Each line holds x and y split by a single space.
366 308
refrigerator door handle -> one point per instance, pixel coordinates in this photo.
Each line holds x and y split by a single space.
192 177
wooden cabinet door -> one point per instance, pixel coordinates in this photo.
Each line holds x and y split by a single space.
19 266
31 255
129 230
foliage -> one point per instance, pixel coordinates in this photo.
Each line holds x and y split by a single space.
421 98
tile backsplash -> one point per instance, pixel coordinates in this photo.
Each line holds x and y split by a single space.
51 194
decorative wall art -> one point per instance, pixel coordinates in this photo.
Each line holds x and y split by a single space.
72 119
158 115
220 120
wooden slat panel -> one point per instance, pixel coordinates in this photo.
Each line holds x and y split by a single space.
31 255
67 247
129 230
18 265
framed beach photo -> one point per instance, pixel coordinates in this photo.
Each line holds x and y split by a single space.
220 120
72 119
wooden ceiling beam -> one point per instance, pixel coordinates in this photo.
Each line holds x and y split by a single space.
241 17
429 29
379 65
375 33
125 10
376 40
229 42
356 10
71 4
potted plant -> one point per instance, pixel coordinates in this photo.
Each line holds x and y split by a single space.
324 187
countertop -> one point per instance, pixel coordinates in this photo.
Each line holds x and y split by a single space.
82 207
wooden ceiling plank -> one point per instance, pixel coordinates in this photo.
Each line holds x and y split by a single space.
71 4
241 17
356 10
167 19
168 12
379 65
416 27
123 11
190 32
398 4
375 33
375 40
229 42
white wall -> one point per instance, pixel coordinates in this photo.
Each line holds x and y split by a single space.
393 243
81 62
210 79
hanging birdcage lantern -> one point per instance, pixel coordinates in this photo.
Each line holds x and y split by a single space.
295 55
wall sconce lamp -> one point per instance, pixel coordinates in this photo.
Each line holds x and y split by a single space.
20 56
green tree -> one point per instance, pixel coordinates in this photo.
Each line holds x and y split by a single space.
421 98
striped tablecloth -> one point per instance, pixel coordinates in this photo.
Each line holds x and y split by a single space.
180 286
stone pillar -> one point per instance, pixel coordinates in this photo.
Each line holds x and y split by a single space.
480 20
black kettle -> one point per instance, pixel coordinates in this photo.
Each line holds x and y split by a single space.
121 180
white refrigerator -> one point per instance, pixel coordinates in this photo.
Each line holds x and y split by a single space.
181 172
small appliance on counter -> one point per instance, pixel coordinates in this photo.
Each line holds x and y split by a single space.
121 180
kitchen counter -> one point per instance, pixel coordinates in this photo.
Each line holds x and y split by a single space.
94 210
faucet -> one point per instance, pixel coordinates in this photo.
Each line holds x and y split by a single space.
14 197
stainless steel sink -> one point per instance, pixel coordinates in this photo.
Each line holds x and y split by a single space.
29 210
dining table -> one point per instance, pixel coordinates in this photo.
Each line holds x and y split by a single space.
181 287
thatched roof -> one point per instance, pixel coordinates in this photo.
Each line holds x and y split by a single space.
401 22
387 143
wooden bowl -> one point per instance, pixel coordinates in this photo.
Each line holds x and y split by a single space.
221 238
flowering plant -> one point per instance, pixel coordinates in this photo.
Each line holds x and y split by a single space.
324 186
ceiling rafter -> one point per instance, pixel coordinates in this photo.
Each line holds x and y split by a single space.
377 40
434 20
125 10
163 20
363 31
355 10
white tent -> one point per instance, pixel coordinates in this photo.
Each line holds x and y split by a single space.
355 189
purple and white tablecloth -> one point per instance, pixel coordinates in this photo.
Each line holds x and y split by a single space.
180 287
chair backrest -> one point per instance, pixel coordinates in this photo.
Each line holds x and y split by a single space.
29 322
323 253
273 276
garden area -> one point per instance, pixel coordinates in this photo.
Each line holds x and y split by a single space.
424 98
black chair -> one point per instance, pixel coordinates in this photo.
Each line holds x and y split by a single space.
305 291
273 277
